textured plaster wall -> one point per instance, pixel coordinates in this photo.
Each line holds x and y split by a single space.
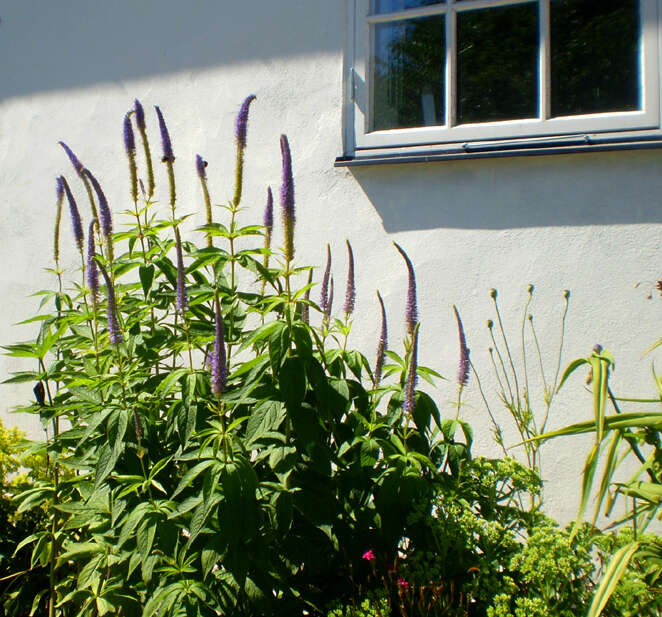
588 223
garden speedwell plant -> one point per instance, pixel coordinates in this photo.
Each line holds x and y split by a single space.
211 451
217 448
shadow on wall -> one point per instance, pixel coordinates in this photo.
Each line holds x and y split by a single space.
55 45
605 188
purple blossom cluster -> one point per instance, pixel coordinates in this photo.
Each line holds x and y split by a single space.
75 215
166 144
350 293
242 121
382 346
463 368
219 369
287 198
411 312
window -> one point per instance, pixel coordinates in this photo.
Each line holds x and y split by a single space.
465 76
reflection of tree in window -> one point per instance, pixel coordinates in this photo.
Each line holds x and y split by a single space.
409 73
595 48
497 55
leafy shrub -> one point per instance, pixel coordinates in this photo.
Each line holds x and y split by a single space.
212 450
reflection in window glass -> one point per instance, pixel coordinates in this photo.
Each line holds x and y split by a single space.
497 64
389 6
595 51
408 73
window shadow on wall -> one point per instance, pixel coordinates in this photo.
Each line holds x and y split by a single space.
47 45
605 188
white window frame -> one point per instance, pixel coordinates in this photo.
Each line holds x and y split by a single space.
359 141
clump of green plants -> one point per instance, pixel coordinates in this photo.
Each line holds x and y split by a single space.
215 446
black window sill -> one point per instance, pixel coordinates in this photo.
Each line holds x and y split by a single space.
481 150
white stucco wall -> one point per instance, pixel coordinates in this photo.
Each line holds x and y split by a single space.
589 223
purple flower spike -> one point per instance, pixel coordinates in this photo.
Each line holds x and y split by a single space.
219 369
114 334
129 137
324 294
287 198
78 166
383 344
105 217
269 216
75 215
92 268
201 166
411 313
242 121
463 370
410 385
59 188
140 115
327 312
350 293
182 298
168 156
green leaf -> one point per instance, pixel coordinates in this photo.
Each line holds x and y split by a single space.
612 576
292 381
279 345
146 274
572 367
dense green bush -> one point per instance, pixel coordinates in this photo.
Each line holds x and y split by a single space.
217 447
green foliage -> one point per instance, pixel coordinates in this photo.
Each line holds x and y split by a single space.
246 489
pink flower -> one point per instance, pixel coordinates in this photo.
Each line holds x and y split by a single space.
368 555
402 583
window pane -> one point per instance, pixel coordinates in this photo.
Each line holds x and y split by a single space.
595 56
497 64
389 6
408 73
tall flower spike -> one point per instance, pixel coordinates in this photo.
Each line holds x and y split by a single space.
92 268
78 166
219 369
105 216
240 135
140 122
287 198
114 333
168 158
382 345
463 368
411 312
268 218
59 195
130 147
410 385
201 166
166 144
324 294
75 215
329 306
350 293
242 121
182 298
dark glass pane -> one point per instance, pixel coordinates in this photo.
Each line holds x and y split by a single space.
497 64
389 6
595 56
408 73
